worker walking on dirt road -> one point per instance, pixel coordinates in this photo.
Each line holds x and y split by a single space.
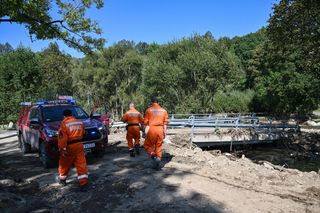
71 149
155 122
134 121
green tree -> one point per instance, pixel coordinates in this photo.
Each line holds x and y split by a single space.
5 48
186 74
56 70
84 72
20 80
232 101
161 79
123 78
112 77
68 21
246 48
144 48
286 92
294 32
288 62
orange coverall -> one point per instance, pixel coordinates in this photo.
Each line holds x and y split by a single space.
70 136
157 119
133 118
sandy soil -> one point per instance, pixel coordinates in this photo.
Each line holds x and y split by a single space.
190 180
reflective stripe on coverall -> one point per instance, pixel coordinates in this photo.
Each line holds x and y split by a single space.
70 130
156 118
133 117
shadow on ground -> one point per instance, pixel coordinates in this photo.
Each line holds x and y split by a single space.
118 183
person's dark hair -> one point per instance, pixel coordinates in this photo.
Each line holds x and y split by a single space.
154 100
67 112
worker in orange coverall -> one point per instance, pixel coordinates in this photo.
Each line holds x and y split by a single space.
156 121
134 121
71 149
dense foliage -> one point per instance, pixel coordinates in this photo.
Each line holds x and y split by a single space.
190 72
20 75
289 62
275 70
64 20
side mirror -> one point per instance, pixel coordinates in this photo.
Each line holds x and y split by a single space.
34 122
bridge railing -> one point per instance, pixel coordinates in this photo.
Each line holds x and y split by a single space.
242 120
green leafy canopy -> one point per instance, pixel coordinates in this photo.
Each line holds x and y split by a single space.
62 20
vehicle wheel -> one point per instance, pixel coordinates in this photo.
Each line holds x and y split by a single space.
25 148
46 160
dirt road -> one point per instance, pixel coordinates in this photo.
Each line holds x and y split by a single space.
191 180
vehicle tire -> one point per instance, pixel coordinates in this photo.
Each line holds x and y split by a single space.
45 159
25 147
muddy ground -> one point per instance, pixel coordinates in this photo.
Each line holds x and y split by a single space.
190 180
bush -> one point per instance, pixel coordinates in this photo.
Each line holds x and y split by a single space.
233 101
287 92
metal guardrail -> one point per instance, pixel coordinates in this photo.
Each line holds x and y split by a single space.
221 121
118 124
267 127
210 115
228 122
270 129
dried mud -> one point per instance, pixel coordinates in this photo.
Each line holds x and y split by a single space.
190 180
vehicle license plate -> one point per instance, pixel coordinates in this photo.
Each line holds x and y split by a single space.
89 145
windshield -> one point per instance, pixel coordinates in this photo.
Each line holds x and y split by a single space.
56 113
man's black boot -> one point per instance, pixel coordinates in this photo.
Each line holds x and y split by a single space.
84 188
137 149
62 182
157 163
131 151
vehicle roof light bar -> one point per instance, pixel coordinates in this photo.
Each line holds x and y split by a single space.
72 101
65 97
62 102
26 103
40 102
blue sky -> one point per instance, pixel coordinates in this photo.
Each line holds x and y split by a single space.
161 21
